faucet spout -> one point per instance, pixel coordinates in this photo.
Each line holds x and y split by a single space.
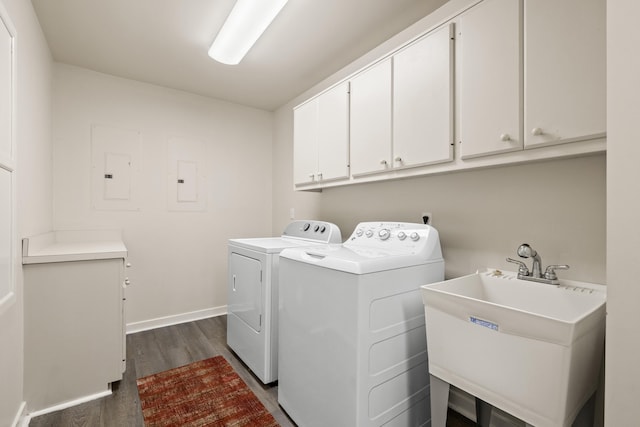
526 251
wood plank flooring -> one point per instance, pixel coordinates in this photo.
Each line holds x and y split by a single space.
160 349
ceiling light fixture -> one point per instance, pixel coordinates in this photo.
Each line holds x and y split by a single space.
244 25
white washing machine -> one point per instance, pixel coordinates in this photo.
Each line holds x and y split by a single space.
252 300
352 331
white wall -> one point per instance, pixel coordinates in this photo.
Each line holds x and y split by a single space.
179 258
558 207
34 208
622 384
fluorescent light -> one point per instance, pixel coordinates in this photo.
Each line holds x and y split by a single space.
244 25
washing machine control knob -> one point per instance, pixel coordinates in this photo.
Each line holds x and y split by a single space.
359 232
323 229
306 226
316 228
414 236
369 233
402 235
384 234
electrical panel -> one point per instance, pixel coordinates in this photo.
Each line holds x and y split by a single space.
115 154
186 178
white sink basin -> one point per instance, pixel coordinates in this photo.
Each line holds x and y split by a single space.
531 349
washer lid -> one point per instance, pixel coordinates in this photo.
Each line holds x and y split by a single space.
355 260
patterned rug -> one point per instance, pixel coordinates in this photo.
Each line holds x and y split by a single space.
204 393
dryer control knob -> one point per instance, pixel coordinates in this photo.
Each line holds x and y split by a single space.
369 233
359 232
306 226
384 234
316 228
414 236
402 235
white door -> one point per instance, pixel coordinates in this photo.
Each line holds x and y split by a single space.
8 240
371 120
423 100
490 78
245 289
565 70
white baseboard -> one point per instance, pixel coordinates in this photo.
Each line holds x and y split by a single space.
175 319
21 419
67 404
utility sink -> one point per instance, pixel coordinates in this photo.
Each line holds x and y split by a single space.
532 349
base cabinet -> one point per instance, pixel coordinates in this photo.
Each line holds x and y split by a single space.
73 329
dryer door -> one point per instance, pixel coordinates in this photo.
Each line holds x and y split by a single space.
245 289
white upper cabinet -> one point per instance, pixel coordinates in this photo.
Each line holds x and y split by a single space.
371 120
305 142
321 137
489 83
565 66
402 108
490 78
423 101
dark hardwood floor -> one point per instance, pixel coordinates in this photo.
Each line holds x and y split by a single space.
160 349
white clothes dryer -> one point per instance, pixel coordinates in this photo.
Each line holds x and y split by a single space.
352 329
252 299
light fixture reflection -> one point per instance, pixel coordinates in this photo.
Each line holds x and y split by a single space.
244 25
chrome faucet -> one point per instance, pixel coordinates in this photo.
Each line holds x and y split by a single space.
526 251
549 277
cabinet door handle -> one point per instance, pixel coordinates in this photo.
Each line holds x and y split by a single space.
505 137
311 176
398 159
383 162
319 176
536 132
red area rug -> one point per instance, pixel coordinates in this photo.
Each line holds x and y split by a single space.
204 393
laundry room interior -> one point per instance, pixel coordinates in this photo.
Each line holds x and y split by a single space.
576 205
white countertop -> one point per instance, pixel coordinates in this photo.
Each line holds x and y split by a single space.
73 245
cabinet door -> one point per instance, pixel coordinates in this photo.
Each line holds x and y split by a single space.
333 133
423 100
371 120
490 78
305 142
565 69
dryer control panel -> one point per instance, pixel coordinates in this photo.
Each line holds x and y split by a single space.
399 237
316 231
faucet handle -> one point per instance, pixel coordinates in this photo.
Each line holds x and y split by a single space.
522 269
550 272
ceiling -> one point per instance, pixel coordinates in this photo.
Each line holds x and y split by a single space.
165 42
